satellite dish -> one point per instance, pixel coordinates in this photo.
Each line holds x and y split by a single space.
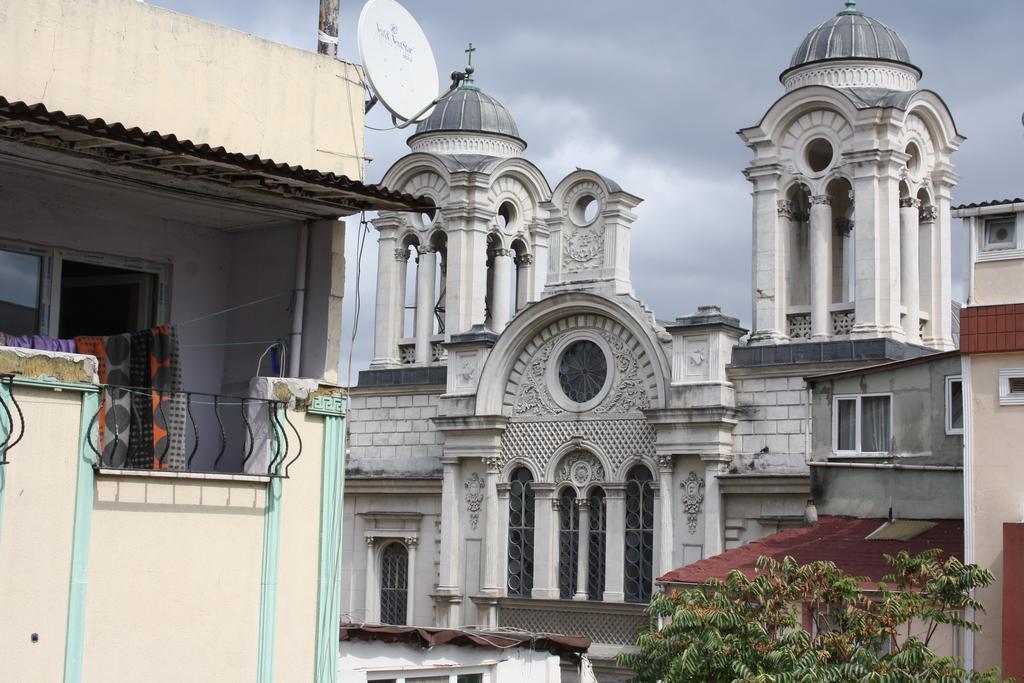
398 61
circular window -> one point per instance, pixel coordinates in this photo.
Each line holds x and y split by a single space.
582 371
584 210
506 215
818 154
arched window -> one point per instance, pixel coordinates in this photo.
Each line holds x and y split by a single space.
639 535
568 543
394 584
595 548
520 534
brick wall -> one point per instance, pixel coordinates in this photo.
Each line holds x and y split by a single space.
393 435
774 412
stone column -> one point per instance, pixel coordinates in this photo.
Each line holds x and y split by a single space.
769 267
583 552
614 572
411 544
524 276
545 542
491 534
398 310
910 263
449 587
371 605
666 562
867 246
385 337
502 295
426 272
714 543
821 267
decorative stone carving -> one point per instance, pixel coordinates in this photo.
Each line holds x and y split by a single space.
426 249
402 255
665 462
534 398
822 199
620 440
785 208
696 354
411 542
525 260
503 252
844 226
584 248
474 497
370 540
629 392
580 469
929 213
910 203
693 499
493 464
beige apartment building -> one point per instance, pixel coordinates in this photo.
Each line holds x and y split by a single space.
171 264
992 347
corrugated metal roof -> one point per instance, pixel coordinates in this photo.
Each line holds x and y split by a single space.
470 110
156 150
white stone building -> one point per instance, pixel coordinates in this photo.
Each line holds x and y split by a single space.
531 445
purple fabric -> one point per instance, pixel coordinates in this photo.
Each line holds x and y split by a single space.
42 343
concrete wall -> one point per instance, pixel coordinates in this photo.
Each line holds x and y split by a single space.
36 528
774 415
998 282
996 470
919 411
391 433
144 66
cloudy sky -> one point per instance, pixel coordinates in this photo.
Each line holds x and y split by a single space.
652 92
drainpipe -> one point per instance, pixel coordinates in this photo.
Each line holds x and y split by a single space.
299 301
327 35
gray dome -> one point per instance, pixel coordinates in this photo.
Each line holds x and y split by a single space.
469 110
851 35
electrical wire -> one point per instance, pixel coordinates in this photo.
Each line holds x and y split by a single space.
364 230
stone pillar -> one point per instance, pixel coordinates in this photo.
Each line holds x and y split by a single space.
771 218
371 606
583 554
411 544
545 542
867 245
398 310
615 561
501 296
426 272
714 542
821 267
385 337
667 544
449 588
910 276
491 535
524 276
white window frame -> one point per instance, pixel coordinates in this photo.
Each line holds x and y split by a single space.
1005 397
857 431
50 278
950 429
985 252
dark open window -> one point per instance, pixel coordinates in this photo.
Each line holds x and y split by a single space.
639 535
568 543
394 584
596 547
520 534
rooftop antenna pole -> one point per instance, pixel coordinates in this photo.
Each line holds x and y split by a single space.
327 35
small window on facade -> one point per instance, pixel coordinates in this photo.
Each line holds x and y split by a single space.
1011 387
1000 233
596 546
639 539
19 292
568 543
394 584
954 405
520 534
862 424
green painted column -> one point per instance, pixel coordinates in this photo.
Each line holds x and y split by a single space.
6 427
74 644
332 488
271 558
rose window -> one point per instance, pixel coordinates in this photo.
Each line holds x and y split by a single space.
582 371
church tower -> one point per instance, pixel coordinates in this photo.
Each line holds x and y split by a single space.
851 186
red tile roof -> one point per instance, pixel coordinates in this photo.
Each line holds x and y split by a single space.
839 539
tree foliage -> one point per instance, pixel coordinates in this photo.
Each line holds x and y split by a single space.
744 630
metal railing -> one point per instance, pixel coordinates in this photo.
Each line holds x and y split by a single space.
12 420
156 429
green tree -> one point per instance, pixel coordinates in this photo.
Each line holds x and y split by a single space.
744 630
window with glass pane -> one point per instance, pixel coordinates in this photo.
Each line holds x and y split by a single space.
876 431
955 405
596 547
1001 233
19 292
470 678
520 534
394 584
568 543
846 424
639 540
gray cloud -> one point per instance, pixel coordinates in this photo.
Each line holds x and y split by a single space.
651 94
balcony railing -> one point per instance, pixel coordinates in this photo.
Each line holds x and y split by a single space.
12 420
154 429
407 350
